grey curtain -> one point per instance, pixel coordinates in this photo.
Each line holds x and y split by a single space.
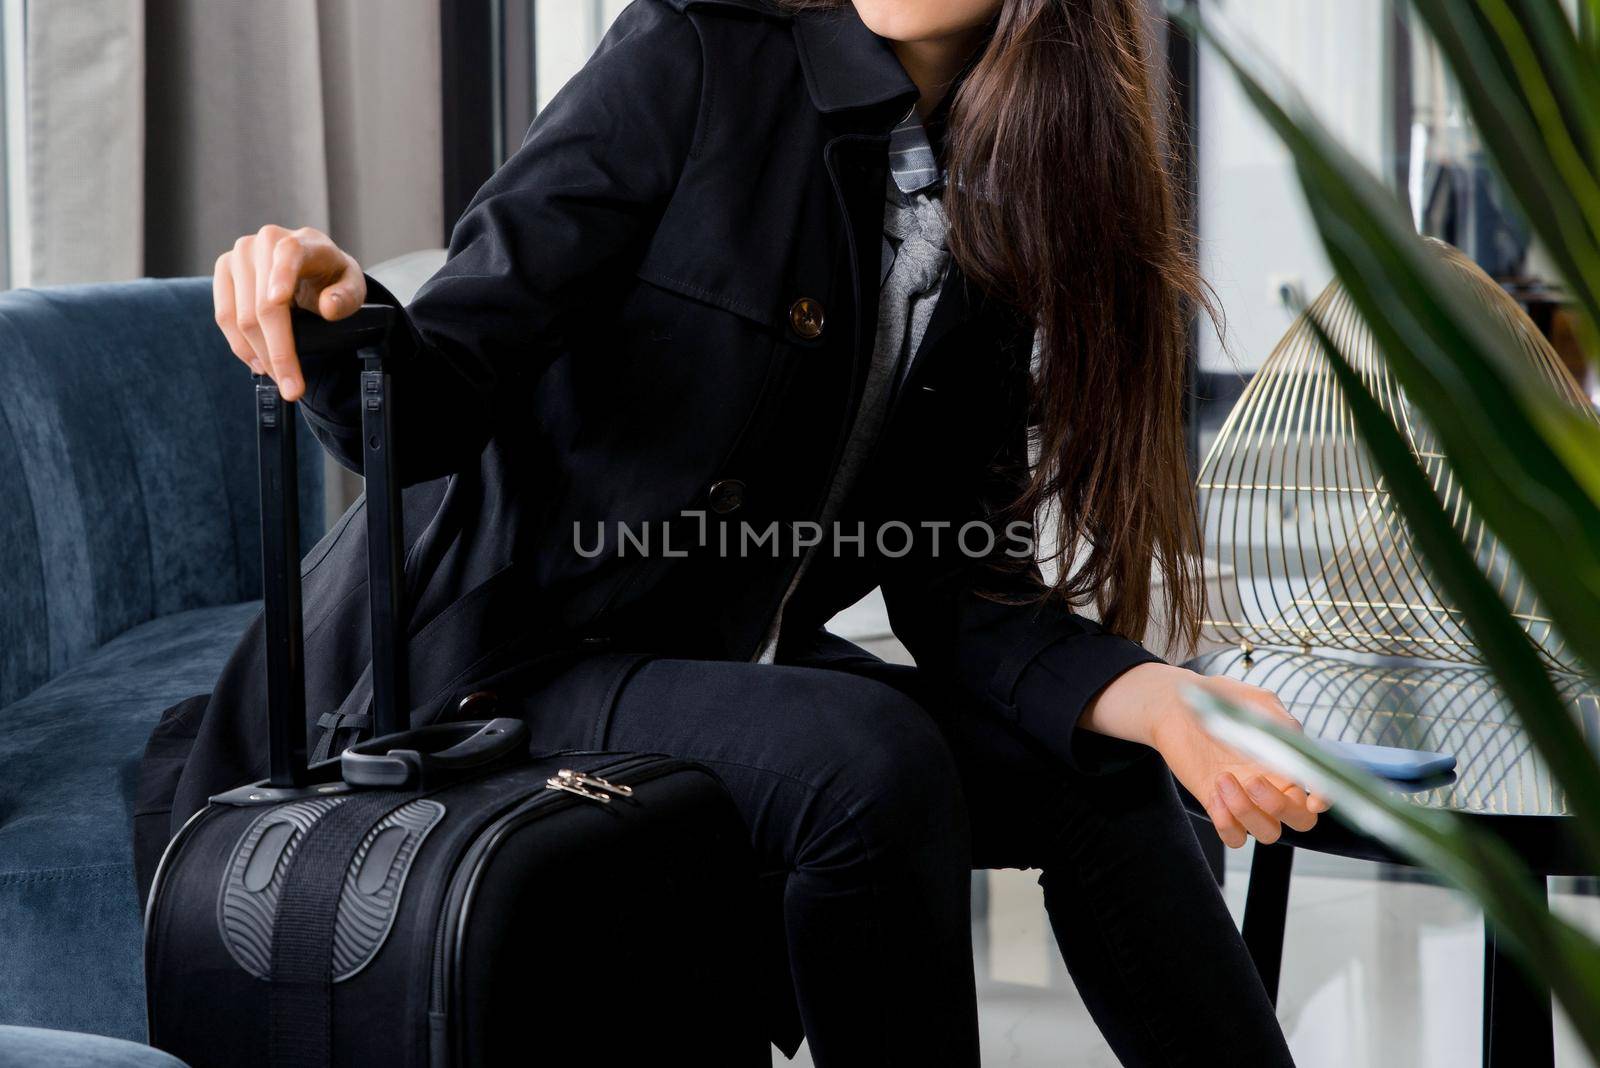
159 130
84 163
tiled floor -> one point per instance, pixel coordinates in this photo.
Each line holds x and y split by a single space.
1377 974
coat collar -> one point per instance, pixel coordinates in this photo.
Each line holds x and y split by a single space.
846 65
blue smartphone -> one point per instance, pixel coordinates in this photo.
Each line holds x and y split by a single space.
1390 762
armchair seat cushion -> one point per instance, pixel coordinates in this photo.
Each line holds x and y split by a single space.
69 915
30 1047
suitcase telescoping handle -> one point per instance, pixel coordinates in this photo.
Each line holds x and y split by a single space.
364 334
393 757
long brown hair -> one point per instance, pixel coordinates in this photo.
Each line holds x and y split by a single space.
1062 202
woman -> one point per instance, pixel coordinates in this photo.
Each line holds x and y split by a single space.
745 329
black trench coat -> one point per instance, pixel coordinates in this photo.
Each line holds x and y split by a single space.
664 303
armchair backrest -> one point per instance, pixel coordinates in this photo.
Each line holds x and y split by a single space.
127 469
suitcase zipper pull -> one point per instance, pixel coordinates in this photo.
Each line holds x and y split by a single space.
600 784
588 786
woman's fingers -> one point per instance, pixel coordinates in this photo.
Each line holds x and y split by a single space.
1313 802
222 301
242 266
1228 829
348 291
279 260
1284 804
1259 810
1263 827
256 285
288 260
1271 705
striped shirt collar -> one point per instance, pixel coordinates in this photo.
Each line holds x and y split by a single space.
913 163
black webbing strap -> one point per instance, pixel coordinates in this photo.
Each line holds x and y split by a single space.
331 723
301 994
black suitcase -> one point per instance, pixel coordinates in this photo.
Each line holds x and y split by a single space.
438 896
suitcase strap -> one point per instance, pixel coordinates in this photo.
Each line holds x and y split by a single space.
301 990
330 724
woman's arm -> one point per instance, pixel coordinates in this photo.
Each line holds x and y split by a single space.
1085 694
1082 692
566 215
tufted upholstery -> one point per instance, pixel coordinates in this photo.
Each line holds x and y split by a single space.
129 553
127 468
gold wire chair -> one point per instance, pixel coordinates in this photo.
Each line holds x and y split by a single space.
1319 553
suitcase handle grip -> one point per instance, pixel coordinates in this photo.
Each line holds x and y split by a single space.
366 327
432 756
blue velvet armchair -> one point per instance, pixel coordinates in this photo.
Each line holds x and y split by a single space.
129 565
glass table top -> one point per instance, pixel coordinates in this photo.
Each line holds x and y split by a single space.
1447 708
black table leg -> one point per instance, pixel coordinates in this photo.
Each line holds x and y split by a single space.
1517 1025
1266 906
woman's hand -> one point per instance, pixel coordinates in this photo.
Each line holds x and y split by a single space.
1145 704
254 283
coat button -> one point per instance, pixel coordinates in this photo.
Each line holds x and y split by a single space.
806 318
726 495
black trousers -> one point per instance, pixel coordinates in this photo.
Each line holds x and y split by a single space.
870 797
